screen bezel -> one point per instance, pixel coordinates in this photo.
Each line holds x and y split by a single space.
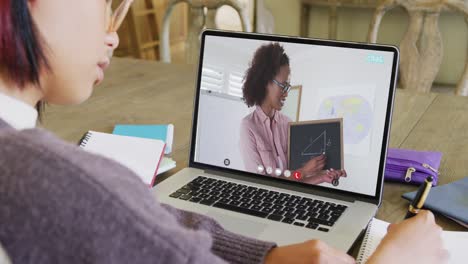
376 198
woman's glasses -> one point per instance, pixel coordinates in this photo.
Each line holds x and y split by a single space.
285 87
116 17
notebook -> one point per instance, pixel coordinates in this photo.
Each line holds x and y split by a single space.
455 242
140 155
450 200
161 132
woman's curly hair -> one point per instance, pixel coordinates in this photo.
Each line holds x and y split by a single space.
264 66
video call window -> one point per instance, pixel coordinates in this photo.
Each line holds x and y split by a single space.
306 113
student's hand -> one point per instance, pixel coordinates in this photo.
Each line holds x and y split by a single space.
314 166
415 240
309 252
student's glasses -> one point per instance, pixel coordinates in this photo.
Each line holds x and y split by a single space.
115 18
285 87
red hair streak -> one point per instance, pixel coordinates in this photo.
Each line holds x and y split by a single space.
21 55
7 39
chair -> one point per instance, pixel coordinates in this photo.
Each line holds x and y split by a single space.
264 22
198 20
421 47
140 11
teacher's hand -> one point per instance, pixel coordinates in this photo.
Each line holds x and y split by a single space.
325 176
331 174
314 166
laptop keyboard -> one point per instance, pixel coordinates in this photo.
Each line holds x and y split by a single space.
276 206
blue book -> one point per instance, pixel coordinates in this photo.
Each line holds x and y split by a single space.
161 132
450 200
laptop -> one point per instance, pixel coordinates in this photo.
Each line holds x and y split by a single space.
306 159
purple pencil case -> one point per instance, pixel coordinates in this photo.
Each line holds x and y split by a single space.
411 166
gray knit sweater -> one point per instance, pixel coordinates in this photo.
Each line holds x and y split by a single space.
59 204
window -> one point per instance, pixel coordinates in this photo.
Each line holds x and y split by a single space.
222 81
212 79
235 84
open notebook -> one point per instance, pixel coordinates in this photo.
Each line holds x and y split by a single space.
455 242
141 155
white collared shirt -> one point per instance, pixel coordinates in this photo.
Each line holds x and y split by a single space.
16 113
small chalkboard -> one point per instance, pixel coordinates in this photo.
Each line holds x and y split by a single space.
310 139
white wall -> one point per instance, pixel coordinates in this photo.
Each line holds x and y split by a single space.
218 130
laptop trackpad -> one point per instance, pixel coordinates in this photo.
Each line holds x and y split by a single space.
238 225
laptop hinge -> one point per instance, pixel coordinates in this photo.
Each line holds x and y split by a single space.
283 185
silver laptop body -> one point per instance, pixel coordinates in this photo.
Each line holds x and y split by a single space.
344 73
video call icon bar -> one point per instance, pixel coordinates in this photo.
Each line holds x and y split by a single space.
278 172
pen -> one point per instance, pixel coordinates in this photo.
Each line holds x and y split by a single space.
419 198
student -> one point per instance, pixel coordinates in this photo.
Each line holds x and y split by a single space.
59 204
264 132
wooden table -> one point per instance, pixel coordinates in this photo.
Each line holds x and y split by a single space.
149 92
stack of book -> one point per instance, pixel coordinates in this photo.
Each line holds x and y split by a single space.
157 132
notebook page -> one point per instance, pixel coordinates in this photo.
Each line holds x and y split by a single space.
375 232
166 164
457 244
161 132
454 242
140 155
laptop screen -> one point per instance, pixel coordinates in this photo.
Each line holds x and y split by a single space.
310 113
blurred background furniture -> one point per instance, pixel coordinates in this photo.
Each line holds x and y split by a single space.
147 12
202 14
139 34
264 22
350 20
332 6
421 47
142 29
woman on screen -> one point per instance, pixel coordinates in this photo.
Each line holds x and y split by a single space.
264 132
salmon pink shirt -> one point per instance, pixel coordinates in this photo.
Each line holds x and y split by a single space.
259 134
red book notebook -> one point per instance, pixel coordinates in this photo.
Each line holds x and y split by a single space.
141 155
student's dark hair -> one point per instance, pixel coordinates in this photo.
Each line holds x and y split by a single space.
264 66
22 55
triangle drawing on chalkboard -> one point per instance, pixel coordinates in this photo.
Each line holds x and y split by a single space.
317 145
